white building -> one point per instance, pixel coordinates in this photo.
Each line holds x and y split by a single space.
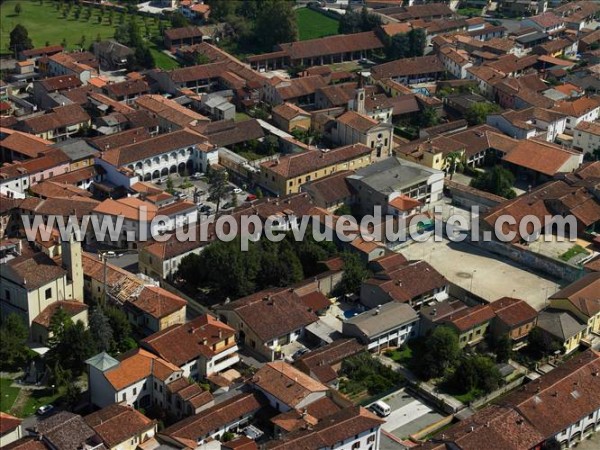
586 137
391 324
32 281
583 109
529 123
181 151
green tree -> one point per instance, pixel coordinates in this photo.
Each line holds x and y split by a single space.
542 344
59 322
498 180
275 23
475 372
441 352
101 331
218 188
269 145
478 112
170 186
354 274
453 162
119 323
356 22
18 9
14 352
503 349
416 42
72 396
178 20
74 347
219 9
19 39
428 117
259 193
397 47
248 9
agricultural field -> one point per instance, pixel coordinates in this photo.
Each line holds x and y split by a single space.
313 25
53 23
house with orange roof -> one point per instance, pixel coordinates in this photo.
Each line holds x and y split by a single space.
141 379
286 387
201 347
582 109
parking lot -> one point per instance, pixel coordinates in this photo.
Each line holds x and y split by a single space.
201 185
409 414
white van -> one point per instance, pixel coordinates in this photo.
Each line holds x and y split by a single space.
381 409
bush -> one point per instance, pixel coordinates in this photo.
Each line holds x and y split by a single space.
365 372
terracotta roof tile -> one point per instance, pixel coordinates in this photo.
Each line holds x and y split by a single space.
182 343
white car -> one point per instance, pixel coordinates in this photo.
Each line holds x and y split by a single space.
42 410
237 191
197 176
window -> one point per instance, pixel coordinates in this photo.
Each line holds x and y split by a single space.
356 445
7 294
124 396
48 293
134 391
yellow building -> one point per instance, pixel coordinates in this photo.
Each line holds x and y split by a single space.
287 173
438 153
582 299
563 327
471 324
289 117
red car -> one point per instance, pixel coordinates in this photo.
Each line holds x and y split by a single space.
250 197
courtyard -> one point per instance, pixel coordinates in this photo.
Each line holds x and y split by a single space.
484 274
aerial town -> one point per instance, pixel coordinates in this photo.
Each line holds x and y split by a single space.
299 225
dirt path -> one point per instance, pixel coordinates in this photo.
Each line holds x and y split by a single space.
20 402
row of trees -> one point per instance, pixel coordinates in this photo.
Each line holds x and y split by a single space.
129 34
256 25
230 272
354 21
406 45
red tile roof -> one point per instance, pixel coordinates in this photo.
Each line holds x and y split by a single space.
290 166
180 344
513 312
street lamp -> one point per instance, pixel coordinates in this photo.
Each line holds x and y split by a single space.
472 277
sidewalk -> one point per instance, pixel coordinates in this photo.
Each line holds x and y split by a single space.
423 386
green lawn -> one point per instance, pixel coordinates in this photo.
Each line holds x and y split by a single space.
312 24
47 25
402 355
39 398
161 60
8 394
572 252
241 116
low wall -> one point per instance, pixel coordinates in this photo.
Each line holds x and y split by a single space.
467 196
535 261
431 428
498 392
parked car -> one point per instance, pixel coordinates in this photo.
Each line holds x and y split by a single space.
43 410
197 176
380 408
251 197
298 353
205 208
237 191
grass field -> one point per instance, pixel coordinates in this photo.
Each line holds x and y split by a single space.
312 24
8 394
47 25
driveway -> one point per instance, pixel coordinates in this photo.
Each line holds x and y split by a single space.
409 414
